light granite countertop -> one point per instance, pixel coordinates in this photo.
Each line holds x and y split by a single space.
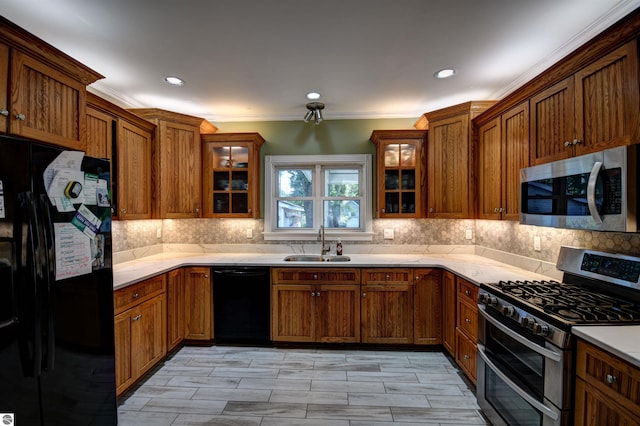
622 341
477 269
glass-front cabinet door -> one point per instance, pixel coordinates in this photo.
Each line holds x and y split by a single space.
231 174
401 186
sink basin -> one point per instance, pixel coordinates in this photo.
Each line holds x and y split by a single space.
315 258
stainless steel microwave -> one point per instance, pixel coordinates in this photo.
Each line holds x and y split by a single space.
593 191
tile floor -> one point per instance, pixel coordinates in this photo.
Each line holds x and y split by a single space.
233 385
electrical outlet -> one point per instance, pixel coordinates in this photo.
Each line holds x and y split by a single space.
159 233
388 234
249 233
468 234
537 246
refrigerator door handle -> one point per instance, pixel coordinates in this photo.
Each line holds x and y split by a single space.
28 298
48 278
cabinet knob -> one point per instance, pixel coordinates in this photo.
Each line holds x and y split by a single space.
387 277
364 295
431 210
576 142
20 117
137 317
467 320
417 278
567 144
248 210
136 295
313 294
206 275
123 210
382 210
465 356
611 379
315 276
4 112
467 292
317 294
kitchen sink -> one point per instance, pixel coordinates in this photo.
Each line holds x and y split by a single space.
316 258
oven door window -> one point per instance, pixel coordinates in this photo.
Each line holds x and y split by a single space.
518 362
511 407
567 195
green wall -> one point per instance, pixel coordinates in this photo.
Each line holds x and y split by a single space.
329 137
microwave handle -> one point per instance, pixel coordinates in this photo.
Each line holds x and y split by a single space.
591 192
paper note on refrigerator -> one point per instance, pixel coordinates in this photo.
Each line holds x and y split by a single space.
73 251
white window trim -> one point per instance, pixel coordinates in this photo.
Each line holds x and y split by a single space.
271 162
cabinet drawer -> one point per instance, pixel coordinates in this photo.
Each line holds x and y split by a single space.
467 291
466 355
468 319
315 275
611 375
130 296
387 276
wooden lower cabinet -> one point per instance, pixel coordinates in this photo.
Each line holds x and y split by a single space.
315 305
387 306
607 388
427 307
140 330
466 355
175 308
466 327
198 296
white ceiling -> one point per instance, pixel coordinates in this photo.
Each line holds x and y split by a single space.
247 60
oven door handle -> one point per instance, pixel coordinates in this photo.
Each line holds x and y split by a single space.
547 411
547 353
591 192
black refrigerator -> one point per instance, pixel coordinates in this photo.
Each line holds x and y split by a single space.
57 364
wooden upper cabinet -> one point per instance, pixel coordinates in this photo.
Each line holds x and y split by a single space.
503 149
401 173
134 171
596 108
608 101
176 170
451 161
43 90
231 174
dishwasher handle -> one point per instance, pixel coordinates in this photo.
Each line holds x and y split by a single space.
240 273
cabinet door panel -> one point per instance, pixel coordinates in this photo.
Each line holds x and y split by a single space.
337 309
52 104
607 98
199 304
449 312
124 369
4 85
552 122
490 170
134 172
292 313
148 334
387 314
515 156
175 308
427 314
99 133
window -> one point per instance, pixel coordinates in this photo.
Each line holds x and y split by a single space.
303 192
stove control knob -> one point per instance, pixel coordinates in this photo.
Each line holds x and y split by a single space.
482 298
492 301
540 329
527 322
508 311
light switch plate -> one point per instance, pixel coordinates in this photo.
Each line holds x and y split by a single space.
249 233
388 234
468 234
537 246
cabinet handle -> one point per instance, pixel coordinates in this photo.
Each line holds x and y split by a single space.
467 320
20 117
136 295
611 379
4 112
137 317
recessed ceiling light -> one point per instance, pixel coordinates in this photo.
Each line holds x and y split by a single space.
313 96
174 81
445 73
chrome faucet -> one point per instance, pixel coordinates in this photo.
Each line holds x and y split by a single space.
324 249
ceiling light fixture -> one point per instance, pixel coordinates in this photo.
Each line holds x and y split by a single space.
174 81
313 96
445 73
314 111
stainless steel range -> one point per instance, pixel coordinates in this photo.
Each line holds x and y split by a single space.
525 346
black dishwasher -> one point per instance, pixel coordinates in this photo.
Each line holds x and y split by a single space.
241 304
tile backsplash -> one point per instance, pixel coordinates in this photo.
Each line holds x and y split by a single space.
507 236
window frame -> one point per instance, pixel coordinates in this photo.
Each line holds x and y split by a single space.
317 163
